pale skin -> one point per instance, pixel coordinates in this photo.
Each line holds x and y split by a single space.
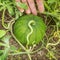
31 6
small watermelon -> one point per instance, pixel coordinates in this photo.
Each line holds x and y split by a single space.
29 26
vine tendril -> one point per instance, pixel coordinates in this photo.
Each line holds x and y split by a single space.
29 25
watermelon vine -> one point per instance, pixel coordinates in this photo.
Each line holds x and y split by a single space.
29 25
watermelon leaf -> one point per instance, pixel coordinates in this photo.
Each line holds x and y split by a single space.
2 33
21 5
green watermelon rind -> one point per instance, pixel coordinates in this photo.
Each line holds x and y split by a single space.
21 29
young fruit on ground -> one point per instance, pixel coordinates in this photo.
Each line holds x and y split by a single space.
29 29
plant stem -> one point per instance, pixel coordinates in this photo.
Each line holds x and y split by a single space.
52 14
53 44
3 24
17 40
18 53
15 37
29 34
27 52
29 57
51 54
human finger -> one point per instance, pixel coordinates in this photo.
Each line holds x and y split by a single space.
32 6
28 11
40 5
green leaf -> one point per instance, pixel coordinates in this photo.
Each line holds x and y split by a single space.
22 5
6 48
2 33
1 8
10 10
51 1
12 48
18 14
1 51
2 44
6 39
5 54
